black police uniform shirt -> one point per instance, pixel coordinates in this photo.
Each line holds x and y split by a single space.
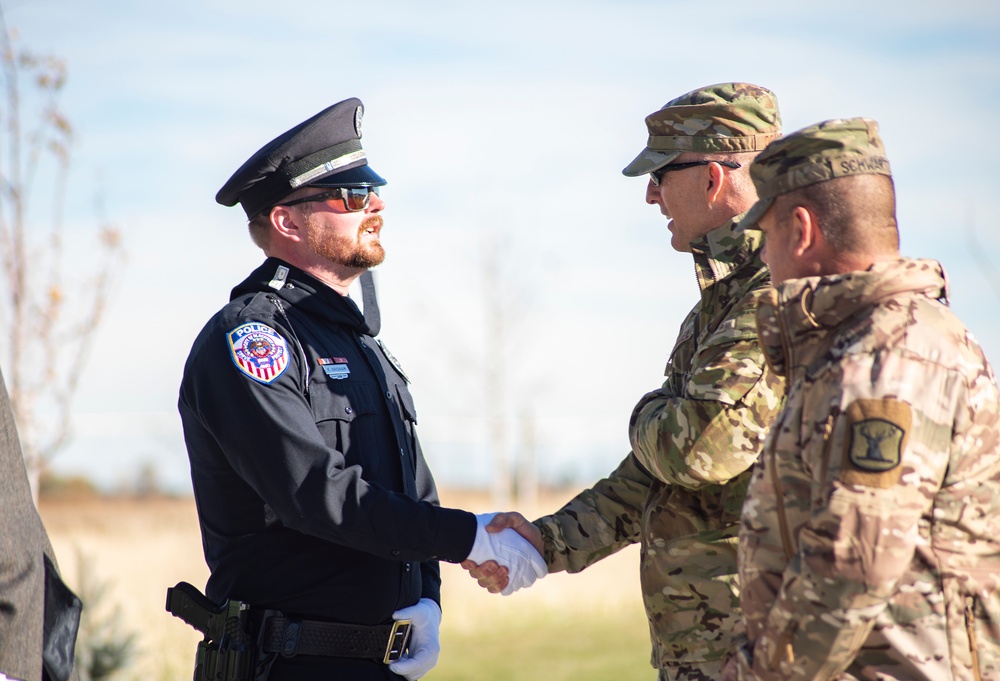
312 492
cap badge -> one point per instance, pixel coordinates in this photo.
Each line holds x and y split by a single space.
359 113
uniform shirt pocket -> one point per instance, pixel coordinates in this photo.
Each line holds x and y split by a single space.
346 419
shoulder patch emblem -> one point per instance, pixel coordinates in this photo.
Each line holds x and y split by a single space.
876 440
258 351
875 445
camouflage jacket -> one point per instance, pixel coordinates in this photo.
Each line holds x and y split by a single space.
870 537
680 490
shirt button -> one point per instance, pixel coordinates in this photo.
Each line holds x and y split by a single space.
406 567
395 552
348 410
401 452
388 394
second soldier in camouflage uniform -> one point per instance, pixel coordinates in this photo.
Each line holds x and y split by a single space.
870 538
679 491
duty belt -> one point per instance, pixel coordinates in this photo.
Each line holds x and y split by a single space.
288 636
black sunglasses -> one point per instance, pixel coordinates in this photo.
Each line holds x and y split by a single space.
657 175
355 198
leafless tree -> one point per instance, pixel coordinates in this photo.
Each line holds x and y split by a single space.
49 316
507 307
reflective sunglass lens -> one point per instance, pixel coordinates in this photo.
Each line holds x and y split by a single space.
356 198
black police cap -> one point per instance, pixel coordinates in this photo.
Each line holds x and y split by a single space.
324 151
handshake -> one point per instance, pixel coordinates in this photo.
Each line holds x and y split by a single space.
506 555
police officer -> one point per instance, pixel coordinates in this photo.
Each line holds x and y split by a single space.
870 537
313 496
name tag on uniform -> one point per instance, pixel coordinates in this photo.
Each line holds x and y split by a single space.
335 367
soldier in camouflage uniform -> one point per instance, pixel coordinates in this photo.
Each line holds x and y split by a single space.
870 537
694 440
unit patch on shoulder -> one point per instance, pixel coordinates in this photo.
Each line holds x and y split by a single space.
876 440
258 351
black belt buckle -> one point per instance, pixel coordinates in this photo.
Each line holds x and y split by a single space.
398 638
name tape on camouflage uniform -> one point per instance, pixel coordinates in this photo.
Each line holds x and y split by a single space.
258 351
876 440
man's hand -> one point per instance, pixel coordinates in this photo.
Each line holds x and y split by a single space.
425 644
516 563
491 574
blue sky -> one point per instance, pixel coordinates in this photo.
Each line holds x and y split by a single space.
501 128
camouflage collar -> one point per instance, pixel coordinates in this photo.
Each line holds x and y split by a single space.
789 313
725 250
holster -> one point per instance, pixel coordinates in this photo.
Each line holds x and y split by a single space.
262 660
231 649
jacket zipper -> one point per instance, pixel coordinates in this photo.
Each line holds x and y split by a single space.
973 646
786 537
783 646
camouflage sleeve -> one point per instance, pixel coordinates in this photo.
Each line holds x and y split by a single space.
875 476
597 522
714 431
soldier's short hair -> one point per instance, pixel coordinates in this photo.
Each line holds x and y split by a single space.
856 214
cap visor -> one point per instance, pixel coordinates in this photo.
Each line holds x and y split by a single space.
647 161
755 213
359 176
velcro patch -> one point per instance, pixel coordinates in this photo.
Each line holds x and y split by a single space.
876 440
258 351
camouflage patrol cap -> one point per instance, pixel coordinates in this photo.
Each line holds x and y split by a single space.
722 118
820 152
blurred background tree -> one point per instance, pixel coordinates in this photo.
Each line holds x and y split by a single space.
49 309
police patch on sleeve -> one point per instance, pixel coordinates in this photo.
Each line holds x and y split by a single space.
876 439
258 351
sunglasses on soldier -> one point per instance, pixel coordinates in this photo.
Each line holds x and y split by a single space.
656 177
354 198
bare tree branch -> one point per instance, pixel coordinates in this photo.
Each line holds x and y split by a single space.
49 322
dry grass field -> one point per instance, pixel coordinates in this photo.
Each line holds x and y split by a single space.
585 626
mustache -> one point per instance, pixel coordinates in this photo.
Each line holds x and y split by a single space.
373 222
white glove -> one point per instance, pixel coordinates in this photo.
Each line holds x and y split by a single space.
425 643
510 550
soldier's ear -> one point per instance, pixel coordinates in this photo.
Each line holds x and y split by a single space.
716 181
807 240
